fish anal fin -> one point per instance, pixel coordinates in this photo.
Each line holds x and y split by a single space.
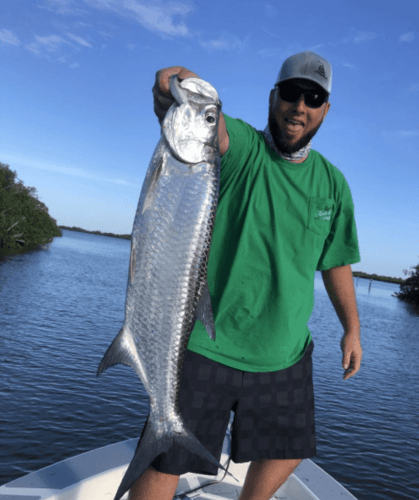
204 312
123 351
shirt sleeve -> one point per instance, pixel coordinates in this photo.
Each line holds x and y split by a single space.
241 141
341 246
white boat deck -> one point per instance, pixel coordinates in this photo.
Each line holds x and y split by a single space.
96 475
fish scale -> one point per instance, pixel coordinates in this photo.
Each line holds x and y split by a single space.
167 287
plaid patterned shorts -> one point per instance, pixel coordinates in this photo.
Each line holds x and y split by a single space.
273 413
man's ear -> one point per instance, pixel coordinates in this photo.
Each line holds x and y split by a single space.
271 96
326 110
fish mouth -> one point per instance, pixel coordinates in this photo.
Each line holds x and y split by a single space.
194 151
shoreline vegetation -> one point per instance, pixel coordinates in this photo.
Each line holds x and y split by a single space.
355 274
98 233
376 277
25 223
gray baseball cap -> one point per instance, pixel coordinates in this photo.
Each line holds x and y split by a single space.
309 66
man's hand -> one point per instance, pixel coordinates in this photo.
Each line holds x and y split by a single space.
339 284
351 354
162 97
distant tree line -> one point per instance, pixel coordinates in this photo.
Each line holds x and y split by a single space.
112 235
409 289
25 223
377 277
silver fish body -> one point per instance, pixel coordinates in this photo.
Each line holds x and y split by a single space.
167 287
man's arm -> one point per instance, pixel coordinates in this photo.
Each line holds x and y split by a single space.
163 100
340 288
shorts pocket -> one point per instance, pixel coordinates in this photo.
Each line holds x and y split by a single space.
320 215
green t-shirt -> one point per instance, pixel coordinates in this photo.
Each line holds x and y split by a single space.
276 223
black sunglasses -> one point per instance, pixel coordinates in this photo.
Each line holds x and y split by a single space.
291 92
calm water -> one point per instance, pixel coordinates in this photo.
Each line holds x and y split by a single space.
61 307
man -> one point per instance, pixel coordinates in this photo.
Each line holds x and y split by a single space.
284 211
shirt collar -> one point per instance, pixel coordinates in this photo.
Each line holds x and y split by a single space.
298 155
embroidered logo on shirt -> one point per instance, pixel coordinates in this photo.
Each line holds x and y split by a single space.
324 214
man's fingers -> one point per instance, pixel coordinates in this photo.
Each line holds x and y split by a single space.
351 366
351 354
346 360
161 89
163 76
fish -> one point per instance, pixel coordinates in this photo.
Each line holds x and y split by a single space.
167 290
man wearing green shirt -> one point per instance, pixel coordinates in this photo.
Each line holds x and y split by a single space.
284 212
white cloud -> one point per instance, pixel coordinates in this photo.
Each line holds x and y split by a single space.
402 134
82 173
106 35
79 40
223 42
269 52
8 38
413 88
407 37
270 11
364 36
348 65
74 65
62 7
159 17
50 43
409 133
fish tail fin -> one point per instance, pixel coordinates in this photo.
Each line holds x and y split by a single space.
150 447
192 444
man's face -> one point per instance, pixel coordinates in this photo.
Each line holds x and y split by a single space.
294 124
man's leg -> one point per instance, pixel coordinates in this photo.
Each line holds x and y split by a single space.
264 477
154 485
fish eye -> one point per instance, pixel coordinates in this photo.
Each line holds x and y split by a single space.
210 115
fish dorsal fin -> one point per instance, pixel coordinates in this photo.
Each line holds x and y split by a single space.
204 312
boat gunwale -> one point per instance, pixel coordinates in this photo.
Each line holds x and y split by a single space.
53 480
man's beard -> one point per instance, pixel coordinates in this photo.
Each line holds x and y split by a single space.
281 144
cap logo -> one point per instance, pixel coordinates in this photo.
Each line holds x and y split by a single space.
320 71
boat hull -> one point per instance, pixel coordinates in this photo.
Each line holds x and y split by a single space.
97 474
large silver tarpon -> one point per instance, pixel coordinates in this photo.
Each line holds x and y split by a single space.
167 286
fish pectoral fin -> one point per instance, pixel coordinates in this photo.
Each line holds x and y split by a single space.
204 312
132 260
150 197
123 350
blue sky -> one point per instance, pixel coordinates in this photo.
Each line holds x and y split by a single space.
76 110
